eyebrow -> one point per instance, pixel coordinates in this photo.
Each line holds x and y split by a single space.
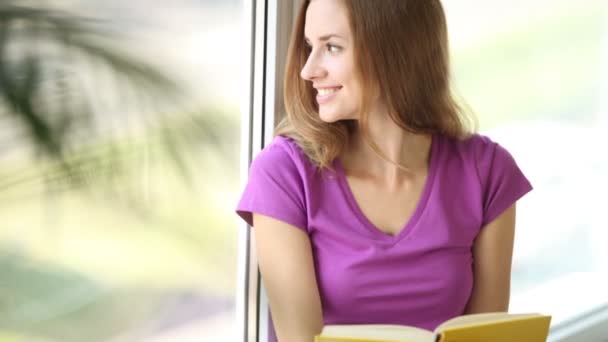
325 37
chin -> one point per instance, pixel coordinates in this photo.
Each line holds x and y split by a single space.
327 117
330 116
329 120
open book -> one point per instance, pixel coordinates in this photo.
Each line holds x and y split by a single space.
494 327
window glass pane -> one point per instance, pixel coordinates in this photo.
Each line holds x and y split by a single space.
535 74
133 237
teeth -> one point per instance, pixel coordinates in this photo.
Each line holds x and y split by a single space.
325 91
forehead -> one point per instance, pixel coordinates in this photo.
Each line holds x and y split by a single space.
325 17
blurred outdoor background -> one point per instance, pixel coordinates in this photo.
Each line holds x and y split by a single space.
119 156
536 75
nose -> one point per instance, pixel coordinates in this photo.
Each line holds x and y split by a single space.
313 68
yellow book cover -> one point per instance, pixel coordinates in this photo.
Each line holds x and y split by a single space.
495 327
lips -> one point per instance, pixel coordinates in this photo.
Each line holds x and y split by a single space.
324 95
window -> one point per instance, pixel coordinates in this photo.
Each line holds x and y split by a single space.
535 75
147 250
270 27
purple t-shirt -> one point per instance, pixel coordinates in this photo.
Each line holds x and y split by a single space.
423 275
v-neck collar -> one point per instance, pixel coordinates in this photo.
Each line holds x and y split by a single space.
409 226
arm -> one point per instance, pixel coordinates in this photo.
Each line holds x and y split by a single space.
493 254
286 264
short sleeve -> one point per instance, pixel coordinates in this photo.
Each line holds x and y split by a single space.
502 181
274 188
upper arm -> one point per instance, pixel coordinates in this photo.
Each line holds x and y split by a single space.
286 263
492 259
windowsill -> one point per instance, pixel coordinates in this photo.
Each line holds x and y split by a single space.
577 302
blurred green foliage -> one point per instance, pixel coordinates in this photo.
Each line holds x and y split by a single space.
106 229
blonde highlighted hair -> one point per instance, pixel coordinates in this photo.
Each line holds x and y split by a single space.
403 47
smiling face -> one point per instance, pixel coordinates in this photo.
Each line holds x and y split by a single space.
331 65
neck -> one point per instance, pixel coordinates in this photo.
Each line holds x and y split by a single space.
409 150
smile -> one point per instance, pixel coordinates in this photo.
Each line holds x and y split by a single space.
325 95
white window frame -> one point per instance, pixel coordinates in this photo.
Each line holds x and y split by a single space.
268 23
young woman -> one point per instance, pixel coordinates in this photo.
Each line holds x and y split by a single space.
375 203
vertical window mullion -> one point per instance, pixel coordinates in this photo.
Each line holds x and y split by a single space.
269 22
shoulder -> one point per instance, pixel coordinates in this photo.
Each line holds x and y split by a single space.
471 145
478 156
484 164
276 185
477 148
282 154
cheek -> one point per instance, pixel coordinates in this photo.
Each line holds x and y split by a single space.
355 90
352 86
353 93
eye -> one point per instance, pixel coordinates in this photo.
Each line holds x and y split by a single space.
333 48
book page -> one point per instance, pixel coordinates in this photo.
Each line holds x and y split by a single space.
526 328
373 333
473 319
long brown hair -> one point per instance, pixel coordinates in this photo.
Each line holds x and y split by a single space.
401 54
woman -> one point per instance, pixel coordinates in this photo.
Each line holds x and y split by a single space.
375 203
